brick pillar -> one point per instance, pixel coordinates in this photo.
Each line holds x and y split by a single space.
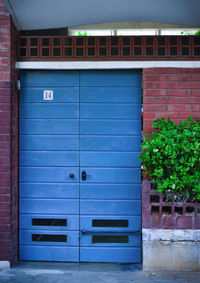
8 134
170 92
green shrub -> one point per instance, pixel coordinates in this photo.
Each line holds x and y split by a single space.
172 157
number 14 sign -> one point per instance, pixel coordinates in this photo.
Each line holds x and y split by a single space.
47 94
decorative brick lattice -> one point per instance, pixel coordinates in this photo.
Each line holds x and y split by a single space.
157 212
108 48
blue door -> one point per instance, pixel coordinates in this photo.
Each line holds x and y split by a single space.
80 180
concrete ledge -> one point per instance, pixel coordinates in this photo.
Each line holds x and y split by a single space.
173 250
4 264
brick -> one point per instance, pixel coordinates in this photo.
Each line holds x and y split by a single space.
171 71
5 257
185 115
155 100
4 221
4 167
4 61
149 115
4 107
4 92
167 78
196 92
190 85
196 77
4 118
148 122
3 9
5 23
161 85
155 92
5 38
179 92
5 228
4 206
172 100
189 100
4 129
179 107
4 54
147 129
179 78
4 213
195 107
4 46
4 190
172 115
4 84
4 182
4 76
154 107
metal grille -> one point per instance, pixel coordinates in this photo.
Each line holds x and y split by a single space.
165 213
108 48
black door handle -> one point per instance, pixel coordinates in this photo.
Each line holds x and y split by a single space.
84 175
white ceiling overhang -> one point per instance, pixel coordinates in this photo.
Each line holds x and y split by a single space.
47 14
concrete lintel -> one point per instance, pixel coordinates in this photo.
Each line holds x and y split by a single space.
97 65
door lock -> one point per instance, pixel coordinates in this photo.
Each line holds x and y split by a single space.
71 175
83 175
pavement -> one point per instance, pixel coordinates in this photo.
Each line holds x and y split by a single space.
48 272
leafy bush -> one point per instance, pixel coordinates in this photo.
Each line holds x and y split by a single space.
172 157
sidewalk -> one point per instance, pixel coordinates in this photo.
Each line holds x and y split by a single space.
44 272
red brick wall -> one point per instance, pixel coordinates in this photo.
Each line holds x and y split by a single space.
8 178
170 92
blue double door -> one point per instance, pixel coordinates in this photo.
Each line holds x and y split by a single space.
80 183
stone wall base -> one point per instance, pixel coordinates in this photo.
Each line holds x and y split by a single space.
4 264
173 250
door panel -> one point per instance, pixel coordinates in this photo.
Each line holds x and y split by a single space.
108 94
110 191
52 110
50 253
110 143
109 110
98 223
49 142
111 127
61 94
49 126
54 206
112 175
114 207
93 124
49 174
107 159
49 154
48 222
110 254
110 135
110 78
49 158
50 190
